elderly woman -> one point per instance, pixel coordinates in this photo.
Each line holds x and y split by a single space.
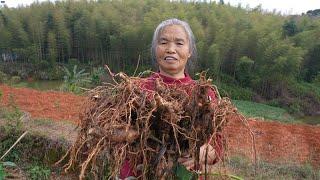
174 50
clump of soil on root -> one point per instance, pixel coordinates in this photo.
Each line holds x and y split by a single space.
149 128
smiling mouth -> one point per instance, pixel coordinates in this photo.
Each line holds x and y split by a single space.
170 58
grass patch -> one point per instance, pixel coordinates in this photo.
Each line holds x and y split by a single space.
36 172
11 118
35 153
43 121
258 110
244 168
40 85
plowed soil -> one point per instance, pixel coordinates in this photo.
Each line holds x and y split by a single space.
275 142
43 104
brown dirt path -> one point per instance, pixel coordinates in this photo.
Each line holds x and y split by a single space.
275 142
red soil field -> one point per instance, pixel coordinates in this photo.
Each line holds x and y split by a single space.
275 142
43 104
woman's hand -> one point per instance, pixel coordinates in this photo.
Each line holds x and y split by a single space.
188 162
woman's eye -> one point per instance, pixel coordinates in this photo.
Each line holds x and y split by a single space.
163 42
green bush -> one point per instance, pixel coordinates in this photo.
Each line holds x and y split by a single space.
300 99
39 173
306 98
229 87
18 69
244 70
235 92
302 89
15 79
316 80
97 75
2 172
40 70
72 62
12 118
3 77
54 73
42 64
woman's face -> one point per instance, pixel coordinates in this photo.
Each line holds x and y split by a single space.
172 51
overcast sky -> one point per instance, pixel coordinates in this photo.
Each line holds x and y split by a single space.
285 6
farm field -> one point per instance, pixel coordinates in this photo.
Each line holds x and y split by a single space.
263 62
276 142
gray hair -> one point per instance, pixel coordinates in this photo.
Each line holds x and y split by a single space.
192 43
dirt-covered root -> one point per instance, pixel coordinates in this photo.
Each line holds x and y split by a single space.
150 129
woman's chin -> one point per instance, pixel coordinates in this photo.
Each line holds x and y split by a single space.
169 69
170 63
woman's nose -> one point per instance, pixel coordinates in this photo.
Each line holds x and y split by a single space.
170 48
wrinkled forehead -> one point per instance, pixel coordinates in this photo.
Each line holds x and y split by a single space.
175 32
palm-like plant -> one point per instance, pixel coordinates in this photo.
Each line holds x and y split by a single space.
73 80
2 172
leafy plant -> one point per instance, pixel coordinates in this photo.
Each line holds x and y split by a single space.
2 172
74 79
3 77
15 80
97 75
12 118
182 173
39 173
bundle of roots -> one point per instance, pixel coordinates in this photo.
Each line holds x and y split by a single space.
148 128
